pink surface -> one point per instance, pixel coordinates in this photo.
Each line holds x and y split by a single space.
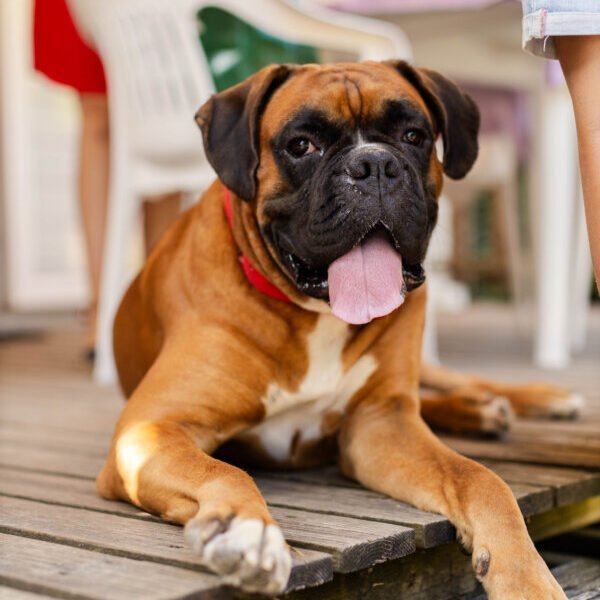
401 6
367 282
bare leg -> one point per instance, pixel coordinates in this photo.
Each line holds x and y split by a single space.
580 60
93 192
159 213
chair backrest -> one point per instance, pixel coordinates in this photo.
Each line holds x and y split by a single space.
151 48
157 78
305 22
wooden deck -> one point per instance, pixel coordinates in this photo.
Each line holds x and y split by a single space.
60 539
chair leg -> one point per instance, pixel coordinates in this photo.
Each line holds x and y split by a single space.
556 172
122 213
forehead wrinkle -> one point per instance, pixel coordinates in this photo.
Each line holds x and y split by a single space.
342 95
347 93
353 99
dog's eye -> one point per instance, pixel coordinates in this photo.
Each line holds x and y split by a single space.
300 147
413 137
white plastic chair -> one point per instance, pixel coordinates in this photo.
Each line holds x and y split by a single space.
158 76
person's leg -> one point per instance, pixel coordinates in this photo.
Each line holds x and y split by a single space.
159 213
93 192
580 60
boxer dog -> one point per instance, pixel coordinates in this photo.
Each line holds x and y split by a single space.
281 318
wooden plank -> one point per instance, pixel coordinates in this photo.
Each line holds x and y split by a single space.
353 543
532 499
580 579
580 428
565 518
38 437
51 460
431 529
44 435
151 541
8 593
84 404
87 463
569 485
442 573
538 451
46 567
67 491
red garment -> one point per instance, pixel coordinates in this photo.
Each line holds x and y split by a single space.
59 51
256 279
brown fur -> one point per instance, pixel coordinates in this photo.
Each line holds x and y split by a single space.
197 348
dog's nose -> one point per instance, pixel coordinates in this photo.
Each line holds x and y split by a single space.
372 163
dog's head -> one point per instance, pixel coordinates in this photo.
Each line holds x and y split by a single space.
339 169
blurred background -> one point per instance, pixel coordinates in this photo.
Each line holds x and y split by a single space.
509 268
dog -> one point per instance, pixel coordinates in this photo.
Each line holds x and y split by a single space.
280 319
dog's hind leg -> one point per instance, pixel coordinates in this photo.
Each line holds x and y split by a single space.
466 410
458 391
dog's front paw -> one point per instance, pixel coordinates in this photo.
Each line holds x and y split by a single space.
518 576
248 553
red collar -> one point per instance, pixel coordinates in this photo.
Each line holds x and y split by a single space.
256 279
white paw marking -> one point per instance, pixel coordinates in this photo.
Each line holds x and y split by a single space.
567 407
496 415
248 553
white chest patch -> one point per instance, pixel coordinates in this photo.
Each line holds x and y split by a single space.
325 387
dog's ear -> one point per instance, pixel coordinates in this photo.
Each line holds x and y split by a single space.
230 124
455 113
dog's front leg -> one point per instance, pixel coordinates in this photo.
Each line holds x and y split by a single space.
386 446
160 461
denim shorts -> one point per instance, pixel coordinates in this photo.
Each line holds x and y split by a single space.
543 19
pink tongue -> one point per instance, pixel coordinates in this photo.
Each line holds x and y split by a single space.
366 282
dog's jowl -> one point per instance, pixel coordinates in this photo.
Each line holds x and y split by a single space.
280 319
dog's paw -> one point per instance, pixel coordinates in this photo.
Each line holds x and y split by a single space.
494 414
566 407
519 575
545 401
248 553
470 411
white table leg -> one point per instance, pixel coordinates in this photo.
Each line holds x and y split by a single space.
556 189
582 278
